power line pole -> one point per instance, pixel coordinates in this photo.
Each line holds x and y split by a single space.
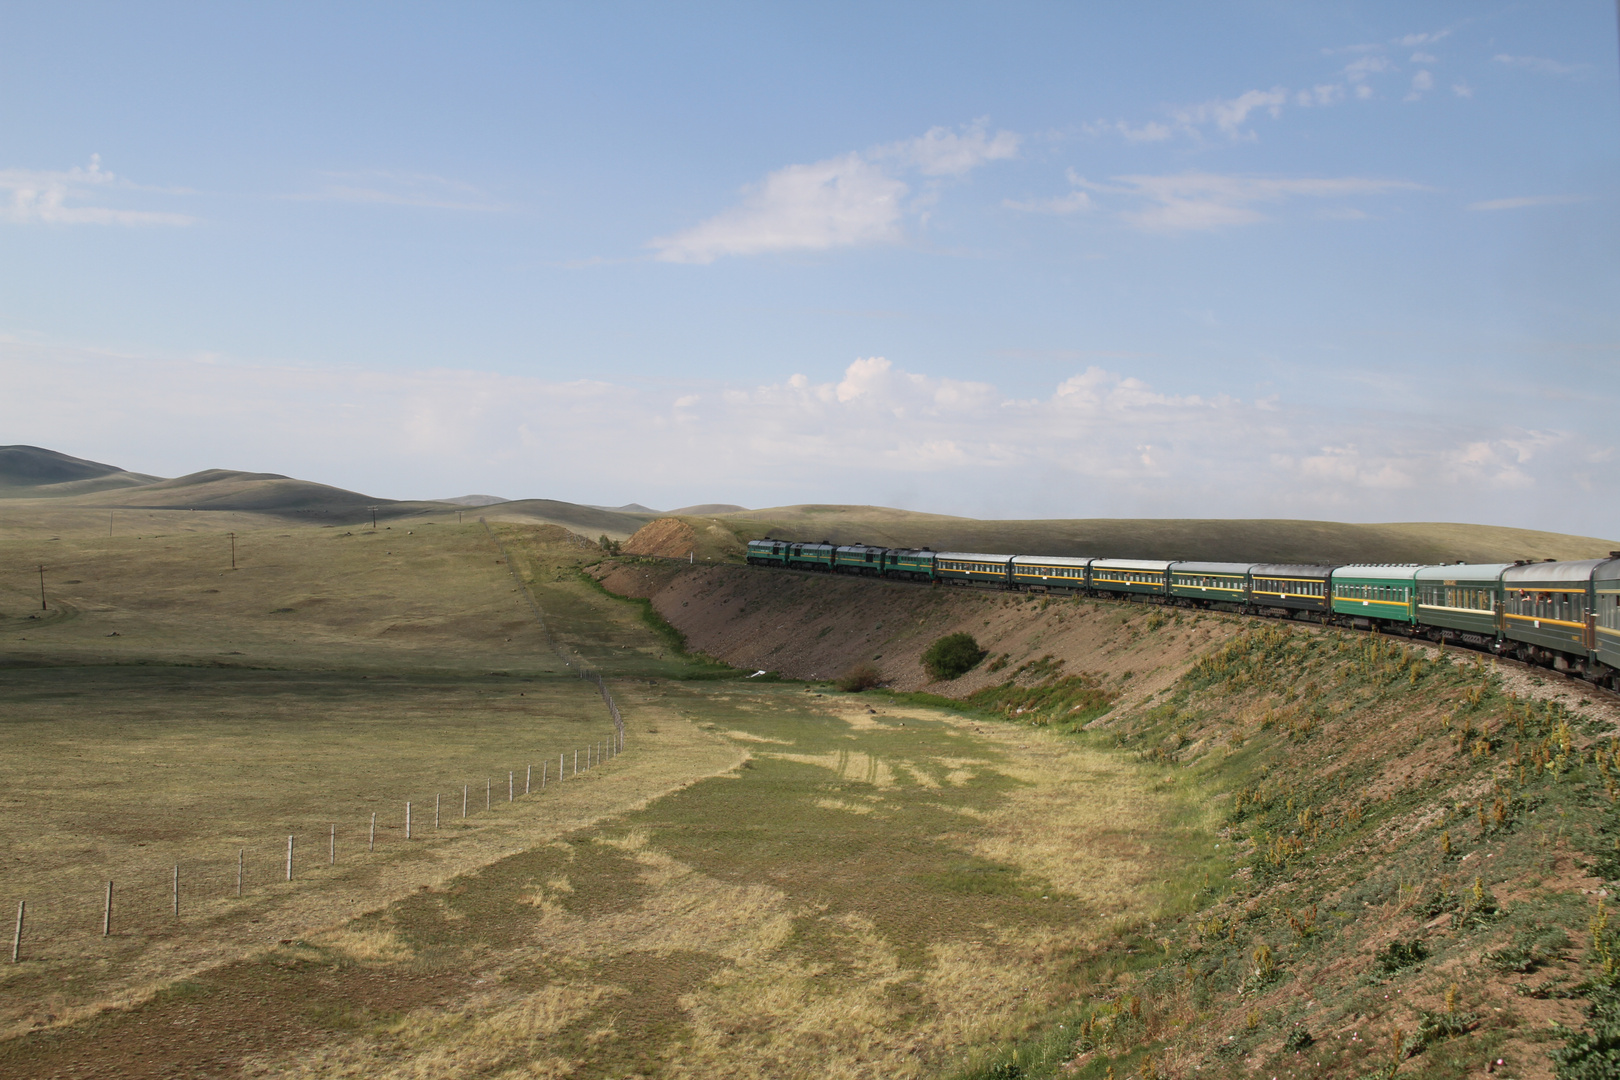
373 510
233 551
42 606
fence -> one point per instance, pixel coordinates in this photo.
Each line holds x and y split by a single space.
157 902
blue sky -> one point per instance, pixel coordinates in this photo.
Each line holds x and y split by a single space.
1352 261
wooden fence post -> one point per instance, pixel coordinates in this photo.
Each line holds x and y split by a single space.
177 890
407 820
106 914
16 939
528 777
240 855
371 842
289 857
436 798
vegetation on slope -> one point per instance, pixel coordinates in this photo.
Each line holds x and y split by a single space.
1413 853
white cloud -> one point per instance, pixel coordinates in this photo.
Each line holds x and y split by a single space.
1074 202
1528 200
1422 83
1412 41
839 202
1462 90
38 197
1364 92
1539 64
943 152
1201 201
1424 58
846 201
1114 442
1153 131
1360 70
401 189
1325 94
1229 115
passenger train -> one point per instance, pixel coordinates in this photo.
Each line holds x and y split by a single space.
1563 615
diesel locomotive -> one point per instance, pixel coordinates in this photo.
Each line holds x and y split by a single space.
1563 615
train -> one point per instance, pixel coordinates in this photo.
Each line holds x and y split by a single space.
1561 615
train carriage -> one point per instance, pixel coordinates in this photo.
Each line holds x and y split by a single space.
1606 619
1546 609
767 552
1461 602
1129 576
858 559
1368 594
973 568
811 556
910 563
1205 584
1043 573
1291 590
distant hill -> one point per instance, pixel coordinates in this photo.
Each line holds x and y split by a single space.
711 509
474 500
627 508
34 472
1169 538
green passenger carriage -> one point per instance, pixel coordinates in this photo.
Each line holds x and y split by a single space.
972 568
1131 576
1461 602
1606 618
1546 609
1207 584
1368 594
1043 573
1290 590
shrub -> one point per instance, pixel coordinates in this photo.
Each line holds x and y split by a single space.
952 656
863 676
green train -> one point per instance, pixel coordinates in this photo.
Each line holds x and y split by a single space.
1563 615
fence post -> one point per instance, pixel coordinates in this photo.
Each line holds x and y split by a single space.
559 768
463 800
240 854
576 762
371 842
331 852
407 820
106 914
487 789
511 785
543 765
289 857
16 939
436 797
177 890
528 777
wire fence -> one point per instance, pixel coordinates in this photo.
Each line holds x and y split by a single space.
160 901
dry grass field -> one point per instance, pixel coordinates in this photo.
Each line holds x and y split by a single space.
853 892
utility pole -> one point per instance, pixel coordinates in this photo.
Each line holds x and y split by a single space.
233 551
42 606
458 517
109 524
373 510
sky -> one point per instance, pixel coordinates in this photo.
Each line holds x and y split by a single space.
1348 261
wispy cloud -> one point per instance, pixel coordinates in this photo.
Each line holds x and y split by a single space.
1539 64
1199 201
845 201
385 188
1524 201
75 196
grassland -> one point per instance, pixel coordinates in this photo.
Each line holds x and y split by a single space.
859 890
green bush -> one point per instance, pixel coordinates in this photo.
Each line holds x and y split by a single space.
952 656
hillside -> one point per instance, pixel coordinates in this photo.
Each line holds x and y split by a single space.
1169 538
34 472
1416 845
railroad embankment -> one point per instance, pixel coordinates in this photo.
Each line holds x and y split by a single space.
819 626
1422 844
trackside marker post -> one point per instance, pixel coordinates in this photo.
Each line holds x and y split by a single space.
436 799
289 857
528 775
106 914
331 854
510 785
371 842
407 821
16 938
463 800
